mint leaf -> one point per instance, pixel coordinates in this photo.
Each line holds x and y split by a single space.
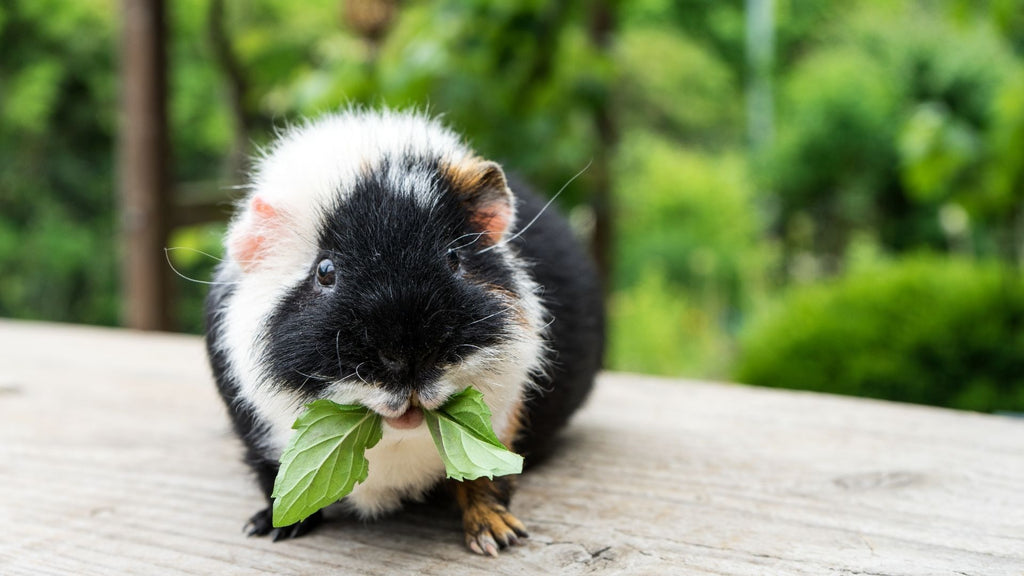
324 459
462 432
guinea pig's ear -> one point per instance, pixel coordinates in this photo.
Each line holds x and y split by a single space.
483 190
247 237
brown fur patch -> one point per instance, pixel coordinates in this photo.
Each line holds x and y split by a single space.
512 300
480 185
508 297
486 521
474 174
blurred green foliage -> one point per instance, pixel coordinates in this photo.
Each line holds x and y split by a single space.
899 129
652 87
689 215
945 332
886 126
57 217
656 328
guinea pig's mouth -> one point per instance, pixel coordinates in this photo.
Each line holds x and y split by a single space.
406 412
411 418
402 414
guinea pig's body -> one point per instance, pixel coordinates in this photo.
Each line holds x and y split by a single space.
377 261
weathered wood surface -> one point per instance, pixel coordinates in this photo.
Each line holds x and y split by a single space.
115 458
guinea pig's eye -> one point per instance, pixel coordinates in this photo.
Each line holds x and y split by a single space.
454 260
325 272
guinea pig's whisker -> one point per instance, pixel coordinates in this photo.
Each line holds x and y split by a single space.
476 236
542 210
463 236
468 244
337 347
207 254
310 377
503 337
357 373
484 353
343 378
167 256
502 311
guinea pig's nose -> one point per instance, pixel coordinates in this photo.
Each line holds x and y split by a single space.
393 363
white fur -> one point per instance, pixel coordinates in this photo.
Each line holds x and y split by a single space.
301 177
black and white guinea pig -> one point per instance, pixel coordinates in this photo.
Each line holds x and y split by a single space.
376 260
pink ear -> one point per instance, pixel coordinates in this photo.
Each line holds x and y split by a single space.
260 206
494 218
483 190
247 239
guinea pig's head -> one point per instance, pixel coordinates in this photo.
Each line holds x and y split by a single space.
373 260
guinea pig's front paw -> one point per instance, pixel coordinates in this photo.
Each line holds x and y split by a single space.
490 526
261 524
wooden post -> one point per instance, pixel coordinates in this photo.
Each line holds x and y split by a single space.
143 160
601 28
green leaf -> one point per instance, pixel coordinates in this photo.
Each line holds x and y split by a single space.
324 459
465 440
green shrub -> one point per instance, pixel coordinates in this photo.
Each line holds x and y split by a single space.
941 332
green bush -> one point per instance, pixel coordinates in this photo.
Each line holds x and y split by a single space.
923 330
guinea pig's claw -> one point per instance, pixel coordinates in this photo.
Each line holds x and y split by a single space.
284 533
483 544
261 524
490 528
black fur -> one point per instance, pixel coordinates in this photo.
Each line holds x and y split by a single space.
571 293
244 421
403 308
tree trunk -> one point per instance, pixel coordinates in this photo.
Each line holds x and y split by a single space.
143 164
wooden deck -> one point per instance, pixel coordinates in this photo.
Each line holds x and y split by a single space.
115 458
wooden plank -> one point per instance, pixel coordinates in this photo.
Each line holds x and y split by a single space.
115 458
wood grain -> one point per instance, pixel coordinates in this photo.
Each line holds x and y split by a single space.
116 458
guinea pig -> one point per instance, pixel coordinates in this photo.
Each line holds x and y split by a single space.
377 260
